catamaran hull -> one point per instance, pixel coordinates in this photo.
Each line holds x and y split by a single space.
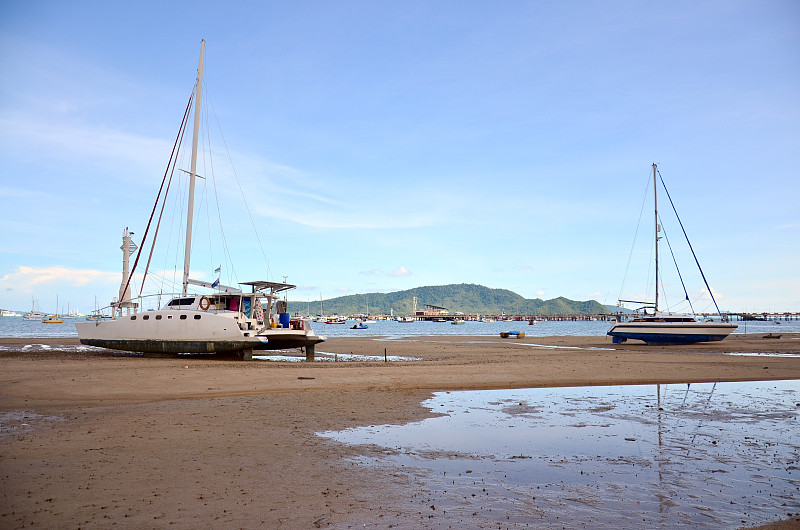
187 332
176 346
281 341
667 333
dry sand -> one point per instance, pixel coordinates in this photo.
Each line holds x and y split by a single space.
100 438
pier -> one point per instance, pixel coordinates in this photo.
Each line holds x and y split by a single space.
426 316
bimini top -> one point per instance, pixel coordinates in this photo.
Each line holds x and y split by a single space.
275 287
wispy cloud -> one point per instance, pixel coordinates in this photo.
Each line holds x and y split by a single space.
71 142
25 279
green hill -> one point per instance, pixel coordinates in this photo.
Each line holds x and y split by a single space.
466 298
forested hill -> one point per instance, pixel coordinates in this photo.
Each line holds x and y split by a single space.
466 298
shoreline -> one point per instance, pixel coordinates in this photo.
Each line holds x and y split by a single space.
193 441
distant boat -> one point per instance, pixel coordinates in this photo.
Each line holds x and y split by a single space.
53 319
336 321
359 325
405 320
517 334
457 322
668 328
34 314
9 313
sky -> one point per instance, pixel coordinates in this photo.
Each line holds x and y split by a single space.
381 146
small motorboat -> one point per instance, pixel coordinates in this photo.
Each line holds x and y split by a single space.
360 325
516 334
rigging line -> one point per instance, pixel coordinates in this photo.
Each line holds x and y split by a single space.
690 244
164 178
225 248
209 175
176 211
675 261
208 171
181 134
238 182
229 262
635 235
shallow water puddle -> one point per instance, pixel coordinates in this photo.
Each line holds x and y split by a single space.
335 357
716 454
531 345
22 421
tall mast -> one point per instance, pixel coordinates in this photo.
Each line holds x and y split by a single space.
655 203
190 210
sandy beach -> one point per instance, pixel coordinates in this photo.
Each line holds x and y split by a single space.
95 438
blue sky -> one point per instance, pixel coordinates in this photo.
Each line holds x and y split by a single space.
384 145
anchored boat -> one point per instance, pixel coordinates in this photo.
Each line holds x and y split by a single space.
221 319
669 328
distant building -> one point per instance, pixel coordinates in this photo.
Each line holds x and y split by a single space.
432 311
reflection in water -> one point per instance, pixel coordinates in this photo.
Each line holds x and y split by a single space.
722 454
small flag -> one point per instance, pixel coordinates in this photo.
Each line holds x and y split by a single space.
216 282
218 269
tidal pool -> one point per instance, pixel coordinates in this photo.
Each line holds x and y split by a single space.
712 454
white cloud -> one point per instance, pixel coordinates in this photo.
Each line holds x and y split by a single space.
400 271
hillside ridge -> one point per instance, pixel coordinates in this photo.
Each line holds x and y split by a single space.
467 298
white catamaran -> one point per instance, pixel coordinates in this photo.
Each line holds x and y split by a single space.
224 320
668 328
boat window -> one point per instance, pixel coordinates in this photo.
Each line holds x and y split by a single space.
181 301
146 317
197 317
133 317
169 317
158 317
183 317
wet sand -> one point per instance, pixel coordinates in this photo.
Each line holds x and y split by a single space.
91 438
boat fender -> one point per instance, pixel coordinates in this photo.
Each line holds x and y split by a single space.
205 303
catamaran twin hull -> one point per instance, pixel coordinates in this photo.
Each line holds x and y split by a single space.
671 333
188 332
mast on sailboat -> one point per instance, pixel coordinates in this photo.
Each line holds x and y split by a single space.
193 169
657 229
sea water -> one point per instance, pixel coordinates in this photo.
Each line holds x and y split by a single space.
17 327
720 455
